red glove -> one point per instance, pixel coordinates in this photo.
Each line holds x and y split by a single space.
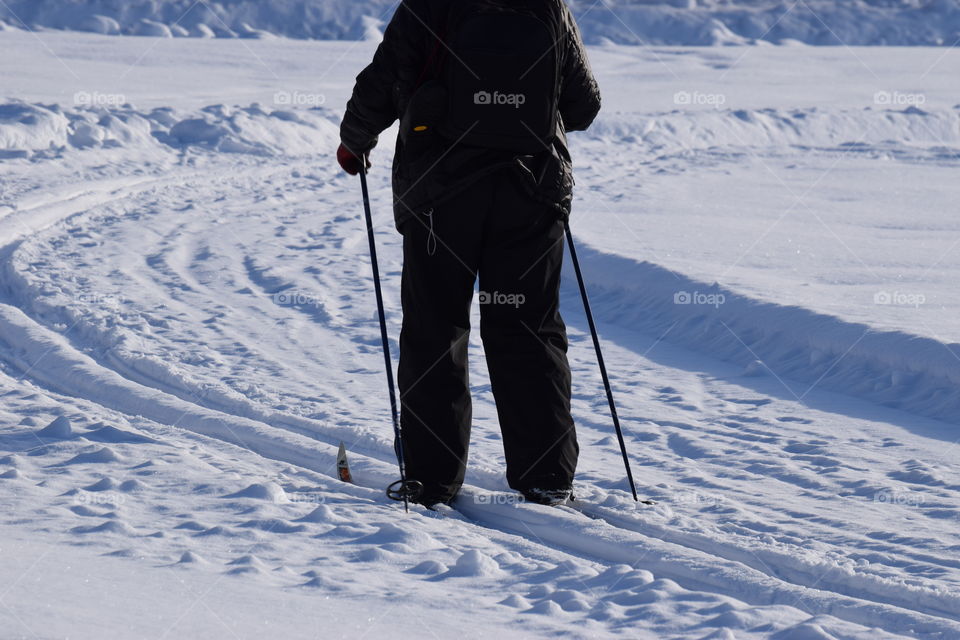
350 162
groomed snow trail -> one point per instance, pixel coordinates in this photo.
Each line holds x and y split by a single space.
252 284
204 326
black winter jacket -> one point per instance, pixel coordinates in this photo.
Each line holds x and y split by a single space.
404 65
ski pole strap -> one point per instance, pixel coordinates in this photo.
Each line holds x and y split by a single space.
405 490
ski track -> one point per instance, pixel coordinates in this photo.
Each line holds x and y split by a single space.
198 314
211 319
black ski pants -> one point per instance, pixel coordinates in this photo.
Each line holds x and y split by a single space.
496 231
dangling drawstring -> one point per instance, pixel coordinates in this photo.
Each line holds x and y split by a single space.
432 238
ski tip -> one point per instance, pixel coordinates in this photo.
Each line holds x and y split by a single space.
343 466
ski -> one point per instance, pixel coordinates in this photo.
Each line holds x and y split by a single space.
343 466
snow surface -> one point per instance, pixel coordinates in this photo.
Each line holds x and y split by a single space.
675 22
187 333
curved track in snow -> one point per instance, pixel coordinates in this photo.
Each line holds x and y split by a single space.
196 311
235 306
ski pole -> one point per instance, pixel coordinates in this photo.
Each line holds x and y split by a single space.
603 368
403 494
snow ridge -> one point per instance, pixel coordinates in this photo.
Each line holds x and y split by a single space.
39 131
895 369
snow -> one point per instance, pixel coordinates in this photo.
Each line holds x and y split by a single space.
58 428
187 334
32 130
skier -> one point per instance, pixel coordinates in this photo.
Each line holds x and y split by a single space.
482 181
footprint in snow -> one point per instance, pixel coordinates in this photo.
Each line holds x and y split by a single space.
322 514
111 526
216 531
131 486
429 568
807 448
246 565
274 525
392 534
12 460
99 456
104 484
84 510
189 557
721 634
346 531
805 631
917 472
107 434
268 491
473 564
686 448
322 580
373 554
516 602
568 600
756 402
547 608
539 592
59 429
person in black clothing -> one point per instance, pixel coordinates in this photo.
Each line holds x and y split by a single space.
475 202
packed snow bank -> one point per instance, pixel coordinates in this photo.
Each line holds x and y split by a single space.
675 22
894 369
38 130
316 19
815 22
877 127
